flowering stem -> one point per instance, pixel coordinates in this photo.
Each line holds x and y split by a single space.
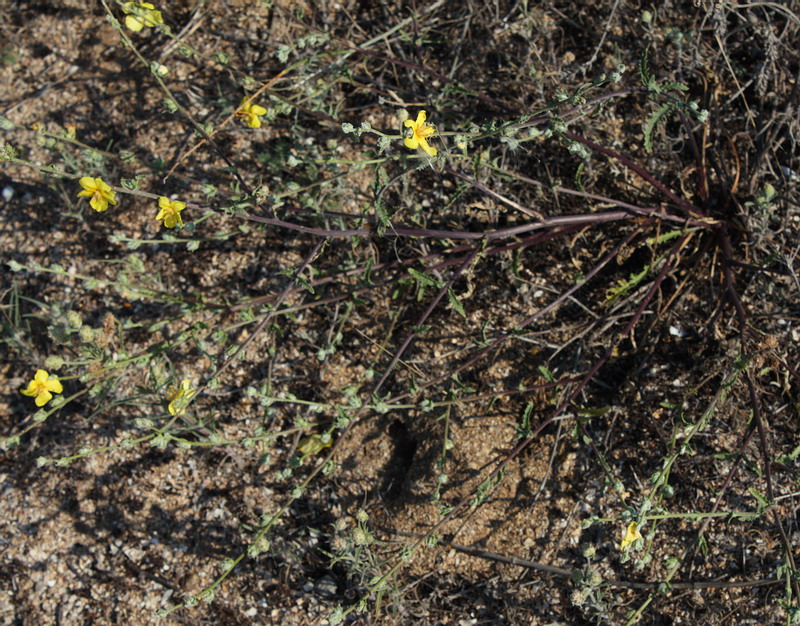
223 155
694 516
44 415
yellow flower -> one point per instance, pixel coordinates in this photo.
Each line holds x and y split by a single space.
99 192
42 387
179 398
420 131
313 445
170 212
631 534
251 113
141 14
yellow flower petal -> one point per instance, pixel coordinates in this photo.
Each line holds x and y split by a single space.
250 113
430 150
631 534
134 23
412 142
312 445
87 182
141 14
43 397
179 398
98 203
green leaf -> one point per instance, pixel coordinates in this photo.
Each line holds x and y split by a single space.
546 374
763 502
664 237
766 196
786 459
579 176
624 286
524 429
673 87
423 280
659 116
383 217
455 303
135 263
367 275
132 183
648 80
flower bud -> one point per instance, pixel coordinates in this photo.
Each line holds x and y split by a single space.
53 363
86 334
74 319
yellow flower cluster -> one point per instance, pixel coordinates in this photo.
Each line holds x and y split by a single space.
101 195
141 14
